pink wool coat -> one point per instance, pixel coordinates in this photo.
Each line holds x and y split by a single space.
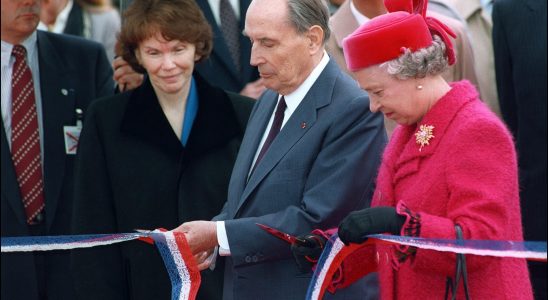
467 175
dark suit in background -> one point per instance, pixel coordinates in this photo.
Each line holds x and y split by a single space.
519 40
133 172
219 69
81 68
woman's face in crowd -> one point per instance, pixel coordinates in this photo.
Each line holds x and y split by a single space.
169 64
398 100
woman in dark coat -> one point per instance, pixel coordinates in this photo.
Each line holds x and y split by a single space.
154 157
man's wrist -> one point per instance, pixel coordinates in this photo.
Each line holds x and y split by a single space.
222 239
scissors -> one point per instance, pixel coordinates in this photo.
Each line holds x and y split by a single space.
282 235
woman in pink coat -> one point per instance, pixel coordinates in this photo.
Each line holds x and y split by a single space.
450 162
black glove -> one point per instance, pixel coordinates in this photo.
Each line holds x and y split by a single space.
308 251
358 224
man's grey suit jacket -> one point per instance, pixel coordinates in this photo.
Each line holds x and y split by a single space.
321 166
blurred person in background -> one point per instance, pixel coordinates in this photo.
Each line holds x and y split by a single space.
97 20
519 40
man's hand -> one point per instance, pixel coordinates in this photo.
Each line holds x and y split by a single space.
253 89
204 259
126 78
200 235
308 252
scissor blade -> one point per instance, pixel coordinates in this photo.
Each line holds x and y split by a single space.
279 234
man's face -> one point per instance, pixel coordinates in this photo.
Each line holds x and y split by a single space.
281 54
19 19
50 9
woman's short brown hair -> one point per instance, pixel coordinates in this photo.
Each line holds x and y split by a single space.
174 19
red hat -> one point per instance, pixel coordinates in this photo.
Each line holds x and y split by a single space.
386 37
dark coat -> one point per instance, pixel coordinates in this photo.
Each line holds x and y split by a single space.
519 40
89 79
133 172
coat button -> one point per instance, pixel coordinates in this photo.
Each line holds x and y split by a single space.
248 259
255 258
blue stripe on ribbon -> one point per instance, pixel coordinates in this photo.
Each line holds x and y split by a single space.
53 241
320 265
176 283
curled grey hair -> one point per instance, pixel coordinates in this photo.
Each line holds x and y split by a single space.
426 61
304 14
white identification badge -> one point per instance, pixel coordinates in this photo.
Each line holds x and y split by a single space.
72 134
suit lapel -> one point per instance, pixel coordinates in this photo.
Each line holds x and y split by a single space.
58 89
10 186
317 97
252 137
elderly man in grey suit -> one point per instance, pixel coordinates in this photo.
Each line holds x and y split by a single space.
319 167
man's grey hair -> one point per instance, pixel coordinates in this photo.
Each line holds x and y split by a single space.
426 61
304 14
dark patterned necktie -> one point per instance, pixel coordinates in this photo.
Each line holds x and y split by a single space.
274 129
231 32
25 139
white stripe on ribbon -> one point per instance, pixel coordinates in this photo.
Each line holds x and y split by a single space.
514 249
327 261
182 269
48 243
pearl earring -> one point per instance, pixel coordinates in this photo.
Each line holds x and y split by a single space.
419 87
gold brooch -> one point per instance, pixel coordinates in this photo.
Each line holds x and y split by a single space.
424 135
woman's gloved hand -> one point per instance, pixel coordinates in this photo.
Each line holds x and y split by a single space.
307 250
358 224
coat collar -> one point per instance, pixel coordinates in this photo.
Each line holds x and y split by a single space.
405 150
215 124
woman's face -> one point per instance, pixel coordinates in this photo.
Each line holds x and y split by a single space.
399 100
169 64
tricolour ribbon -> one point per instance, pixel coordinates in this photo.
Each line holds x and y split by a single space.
173 247
335 252
185 277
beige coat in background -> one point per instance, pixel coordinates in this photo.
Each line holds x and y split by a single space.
480 27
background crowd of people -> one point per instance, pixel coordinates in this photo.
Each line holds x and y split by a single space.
209 116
